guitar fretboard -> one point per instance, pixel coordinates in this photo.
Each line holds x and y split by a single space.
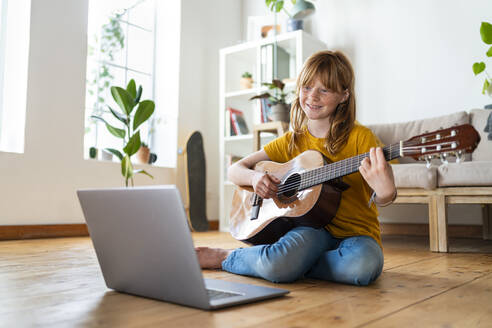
341 168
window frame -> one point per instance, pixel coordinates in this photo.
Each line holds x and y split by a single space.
3 37
98 63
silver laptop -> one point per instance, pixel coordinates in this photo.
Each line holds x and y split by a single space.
144 247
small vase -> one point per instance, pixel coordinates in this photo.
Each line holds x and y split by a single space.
281 112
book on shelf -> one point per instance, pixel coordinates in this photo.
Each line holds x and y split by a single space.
238 123
266 110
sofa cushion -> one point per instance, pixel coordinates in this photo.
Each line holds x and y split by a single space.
415 176
475 173
478 118
395 132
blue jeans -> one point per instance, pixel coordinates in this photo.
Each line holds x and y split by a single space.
311 253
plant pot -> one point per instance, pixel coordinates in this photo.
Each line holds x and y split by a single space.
106 155
246 83
143 155
93 152
294 24
281 112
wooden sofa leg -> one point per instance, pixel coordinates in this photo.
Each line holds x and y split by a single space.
442 222
487 221
438 224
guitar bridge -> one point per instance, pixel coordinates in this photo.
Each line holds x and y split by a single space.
256 203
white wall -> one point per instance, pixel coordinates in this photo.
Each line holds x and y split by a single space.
206 27
412 60
38 186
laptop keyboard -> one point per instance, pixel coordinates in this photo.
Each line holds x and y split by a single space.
214 294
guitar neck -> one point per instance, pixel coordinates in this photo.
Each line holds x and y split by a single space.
342 168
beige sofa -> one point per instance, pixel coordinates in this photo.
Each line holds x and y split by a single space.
468 182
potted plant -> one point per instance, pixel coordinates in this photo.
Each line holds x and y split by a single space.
300 10
479 67
93 152
127 99
280 108
246 81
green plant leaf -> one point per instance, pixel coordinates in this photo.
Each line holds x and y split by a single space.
126 168
486 32
123 99
486 86
115 152
120 133
489 52
133 144
118 115
144 111
263 95
278 6
139 94
478 68
131 88
278 84
143 172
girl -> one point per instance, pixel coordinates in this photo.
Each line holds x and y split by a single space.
348 249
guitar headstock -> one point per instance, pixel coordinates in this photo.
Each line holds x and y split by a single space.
454 141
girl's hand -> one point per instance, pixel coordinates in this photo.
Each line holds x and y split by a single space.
378 175
265 185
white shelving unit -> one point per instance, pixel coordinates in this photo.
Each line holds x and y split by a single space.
295 48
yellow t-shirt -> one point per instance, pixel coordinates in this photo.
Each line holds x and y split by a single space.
354 217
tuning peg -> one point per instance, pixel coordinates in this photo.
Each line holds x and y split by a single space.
443 158
428 161
460 157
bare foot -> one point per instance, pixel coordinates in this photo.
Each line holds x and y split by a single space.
211 258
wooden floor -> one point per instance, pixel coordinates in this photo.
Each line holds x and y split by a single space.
57 283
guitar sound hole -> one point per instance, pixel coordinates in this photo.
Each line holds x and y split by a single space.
291 185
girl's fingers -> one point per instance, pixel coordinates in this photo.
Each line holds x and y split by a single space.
373 157
380 156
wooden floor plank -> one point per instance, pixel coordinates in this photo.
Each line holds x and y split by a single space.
396 289
57 283
467 305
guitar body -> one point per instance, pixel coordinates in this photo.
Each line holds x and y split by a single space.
314 207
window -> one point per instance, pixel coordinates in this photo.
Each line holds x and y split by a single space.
3 33
121 39
14 55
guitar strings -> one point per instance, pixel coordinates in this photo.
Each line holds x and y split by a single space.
333 170
338 169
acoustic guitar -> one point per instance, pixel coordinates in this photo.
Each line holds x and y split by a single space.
310 188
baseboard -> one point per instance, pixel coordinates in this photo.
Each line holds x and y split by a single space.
78 230
42 231
54 231
213 225
422 229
